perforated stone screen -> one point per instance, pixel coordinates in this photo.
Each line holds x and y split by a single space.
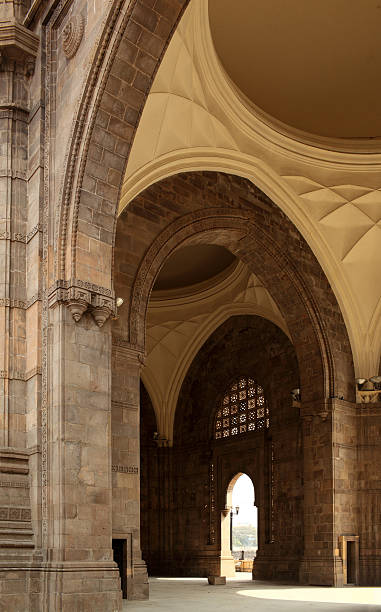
243 409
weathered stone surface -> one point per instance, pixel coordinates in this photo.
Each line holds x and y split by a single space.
79 465
217 580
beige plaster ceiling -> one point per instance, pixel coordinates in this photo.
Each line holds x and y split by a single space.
194 120
191 265
312 65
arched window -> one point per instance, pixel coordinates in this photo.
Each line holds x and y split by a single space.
243 409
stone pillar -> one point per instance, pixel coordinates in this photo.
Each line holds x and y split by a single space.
18 48
227 566
79 571
318 563
126 364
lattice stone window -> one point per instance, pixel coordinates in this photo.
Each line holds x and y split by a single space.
242 409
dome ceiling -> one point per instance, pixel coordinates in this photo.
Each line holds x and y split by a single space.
192 265
314 66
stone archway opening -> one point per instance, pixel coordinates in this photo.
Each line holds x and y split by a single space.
217 210
245 527
239 527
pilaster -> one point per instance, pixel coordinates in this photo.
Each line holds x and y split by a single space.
127 361
77 521
18 49
329 444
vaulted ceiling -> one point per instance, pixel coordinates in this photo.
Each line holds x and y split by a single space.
232 94
313 65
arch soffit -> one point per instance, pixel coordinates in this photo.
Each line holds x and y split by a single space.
365 343
203 225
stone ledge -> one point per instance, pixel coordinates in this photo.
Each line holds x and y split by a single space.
17 38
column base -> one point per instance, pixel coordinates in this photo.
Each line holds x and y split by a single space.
63 587
275 567
319 571
137 584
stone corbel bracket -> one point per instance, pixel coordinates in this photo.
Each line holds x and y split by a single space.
80 296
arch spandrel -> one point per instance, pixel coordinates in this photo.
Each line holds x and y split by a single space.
129 53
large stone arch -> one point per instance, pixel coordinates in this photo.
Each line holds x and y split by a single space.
135 37
228 210
213 207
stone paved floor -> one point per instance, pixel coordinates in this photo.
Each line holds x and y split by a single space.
242 595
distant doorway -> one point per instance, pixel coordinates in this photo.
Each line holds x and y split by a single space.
239 527
244 524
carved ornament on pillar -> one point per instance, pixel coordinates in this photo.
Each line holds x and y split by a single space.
80 296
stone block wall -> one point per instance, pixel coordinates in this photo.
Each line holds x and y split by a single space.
183 520
369 493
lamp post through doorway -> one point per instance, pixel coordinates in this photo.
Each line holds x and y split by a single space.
232 513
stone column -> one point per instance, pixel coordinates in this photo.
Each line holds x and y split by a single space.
227 565
126 365
318 564
18 48
79 571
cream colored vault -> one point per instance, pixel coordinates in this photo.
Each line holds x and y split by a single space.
195 119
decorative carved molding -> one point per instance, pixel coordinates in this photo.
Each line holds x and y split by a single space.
19 375
212 504
8 302
125 469
14 514
19 237
102 307
72 35
14 484
79 123
12 375
80 296
368 397
35 298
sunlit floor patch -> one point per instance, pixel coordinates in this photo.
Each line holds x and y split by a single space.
347 595
241 594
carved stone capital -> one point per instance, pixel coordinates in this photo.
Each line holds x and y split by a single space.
80 296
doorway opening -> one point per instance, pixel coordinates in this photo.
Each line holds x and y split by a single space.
119 547
239 526
350 552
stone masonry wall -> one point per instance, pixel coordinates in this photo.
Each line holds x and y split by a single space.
192 543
